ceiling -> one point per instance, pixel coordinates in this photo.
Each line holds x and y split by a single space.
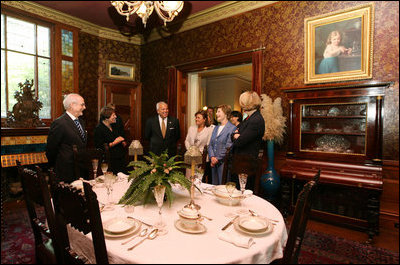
102 13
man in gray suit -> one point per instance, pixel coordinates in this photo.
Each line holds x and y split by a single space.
162 131
66 131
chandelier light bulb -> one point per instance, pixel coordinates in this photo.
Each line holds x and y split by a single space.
166 10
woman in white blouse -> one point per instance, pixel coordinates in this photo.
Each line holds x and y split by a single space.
198 134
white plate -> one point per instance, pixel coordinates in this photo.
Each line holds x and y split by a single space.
200 228
269 229
253 223
120 227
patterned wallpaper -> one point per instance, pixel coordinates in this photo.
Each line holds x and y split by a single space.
93 54
280 28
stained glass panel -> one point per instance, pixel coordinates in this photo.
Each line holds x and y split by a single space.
67 73
67 42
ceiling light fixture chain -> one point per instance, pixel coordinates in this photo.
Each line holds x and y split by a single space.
166 10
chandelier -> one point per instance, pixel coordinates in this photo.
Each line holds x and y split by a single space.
166 10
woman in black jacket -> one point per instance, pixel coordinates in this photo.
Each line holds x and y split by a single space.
105 134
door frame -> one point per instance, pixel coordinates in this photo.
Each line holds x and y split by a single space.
136 93
184 69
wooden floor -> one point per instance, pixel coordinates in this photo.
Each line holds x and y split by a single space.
388 237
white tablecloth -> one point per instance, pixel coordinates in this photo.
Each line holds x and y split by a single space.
179 247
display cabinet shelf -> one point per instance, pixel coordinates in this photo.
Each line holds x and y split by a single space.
336 128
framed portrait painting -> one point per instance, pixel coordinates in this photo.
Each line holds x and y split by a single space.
338 46
123 71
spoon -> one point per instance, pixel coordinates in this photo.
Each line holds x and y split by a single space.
141 234
208 218
253 213
150 236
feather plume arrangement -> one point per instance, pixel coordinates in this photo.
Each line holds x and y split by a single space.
275 122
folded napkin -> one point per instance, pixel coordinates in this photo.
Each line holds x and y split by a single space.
122 176
78 184
237 240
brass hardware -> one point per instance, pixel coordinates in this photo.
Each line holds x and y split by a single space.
294 176
289 153
377 160
291 101
379 97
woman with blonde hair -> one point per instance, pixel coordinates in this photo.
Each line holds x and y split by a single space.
247 138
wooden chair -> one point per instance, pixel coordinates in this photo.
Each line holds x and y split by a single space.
82 212
235 164
83 161
36 193
299 221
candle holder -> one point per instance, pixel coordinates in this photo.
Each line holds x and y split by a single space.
192 157
135 149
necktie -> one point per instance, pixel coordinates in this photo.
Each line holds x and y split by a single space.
78 124
163 129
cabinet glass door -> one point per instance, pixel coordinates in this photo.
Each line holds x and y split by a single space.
334 128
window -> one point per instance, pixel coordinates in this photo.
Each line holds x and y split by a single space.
25 54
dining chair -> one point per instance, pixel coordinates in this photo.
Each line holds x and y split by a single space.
36 194
83 161
299 221
81 211
235 164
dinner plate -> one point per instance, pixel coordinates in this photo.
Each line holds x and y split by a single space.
253 223
120 227
268 230
198 229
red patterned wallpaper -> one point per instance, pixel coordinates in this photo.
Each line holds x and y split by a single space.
280 28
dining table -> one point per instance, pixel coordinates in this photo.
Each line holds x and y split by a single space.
182 245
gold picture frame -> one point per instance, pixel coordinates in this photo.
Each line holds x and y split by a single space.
339 45
118 70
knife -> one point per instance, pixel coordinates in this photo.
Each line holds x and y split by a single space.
231 222
139 221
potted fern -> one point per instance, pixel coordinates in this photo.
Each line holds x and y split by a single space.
158 170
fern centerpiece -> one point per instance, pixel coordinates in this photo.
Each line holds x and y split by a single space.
159 170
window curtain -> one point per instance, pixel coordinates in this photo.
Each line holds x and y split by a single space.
256 74
172 91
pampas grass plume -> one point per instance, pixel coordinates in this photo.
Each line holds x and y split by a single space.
275 122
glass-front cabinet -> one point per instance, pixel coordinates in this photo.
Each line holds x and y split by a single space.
336 128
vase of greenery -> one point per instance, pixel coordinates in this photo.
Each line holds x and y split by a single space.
274 129
158 170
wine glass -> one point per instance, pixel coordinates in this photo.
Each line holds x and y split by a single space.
242 182
95 164
104 167
159 192
109 180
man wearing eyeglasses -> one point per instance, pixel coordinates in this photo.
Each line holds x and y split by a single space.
66 131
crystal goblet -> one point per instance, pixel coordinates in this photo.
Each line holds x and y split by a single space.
95 164
159 192
242 182
109 180
104 167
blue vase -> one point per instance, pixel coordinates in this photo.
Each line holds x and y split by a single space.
270 180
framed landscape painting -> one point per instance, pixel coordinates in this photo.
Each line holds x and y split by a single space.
117 70
338 46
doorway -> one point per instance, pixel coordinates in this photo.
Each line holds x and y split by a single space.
127 98
217 86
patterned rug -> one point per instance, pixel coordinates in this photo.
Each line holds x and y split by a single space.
17 247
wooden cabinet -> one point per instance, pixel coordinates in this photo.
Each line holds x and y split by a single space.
336 128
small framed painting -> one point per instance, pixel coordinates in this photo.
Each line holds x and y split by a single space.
338 46
117 70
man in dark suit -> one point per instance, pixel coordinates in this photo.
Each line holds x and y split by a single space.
66 131
162 131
